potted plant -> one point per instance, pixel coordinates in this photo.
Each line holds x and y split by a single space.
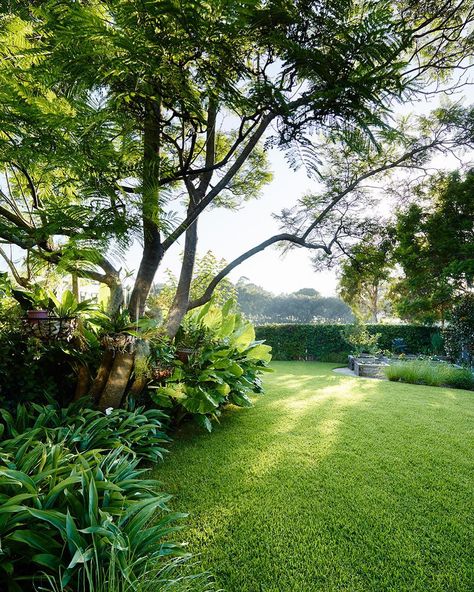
121 334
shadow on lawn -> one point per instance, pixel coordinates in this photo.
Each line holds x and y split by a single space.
328 484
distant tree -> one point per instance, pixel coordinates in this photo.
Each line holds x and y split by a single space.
304 306
434 247
307 292
364 281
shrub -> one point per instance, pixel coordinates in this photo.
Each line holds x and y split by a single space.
459 334
359 338
65 514
75 510
81 428
315 342
431 374
223 363
335 357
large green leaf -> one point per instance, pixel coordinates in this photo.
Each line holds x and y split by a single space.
243 338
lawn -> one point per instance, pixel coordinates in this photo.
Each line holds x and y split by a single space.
332 483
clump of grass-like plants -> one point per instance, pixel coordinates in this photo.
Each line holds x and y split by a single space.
430 374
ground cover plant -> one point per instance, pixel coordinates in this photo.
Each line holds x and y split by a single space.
431 374
77 511
332 483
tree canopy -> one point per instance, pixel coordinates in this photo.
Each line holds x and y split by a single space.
434 247
303 306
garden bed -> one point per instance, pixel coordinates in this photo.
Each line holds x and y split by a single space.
413 370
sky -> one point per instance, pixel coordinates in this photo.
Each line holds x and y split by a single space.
230 233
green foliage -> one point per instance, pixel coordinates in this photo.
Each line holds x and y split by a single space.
316 342
364 280
437 343
31 370
434 241
76 510
66 515
80 428
430 374
69 306
359 338
459 334
222 367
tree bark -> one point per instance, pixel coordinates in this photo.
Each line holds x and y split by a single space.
83 381
152 248
180 303
75 285
102 375
117 381
181 300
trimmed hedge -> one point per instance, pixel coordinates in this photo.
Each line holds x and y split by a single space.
324 342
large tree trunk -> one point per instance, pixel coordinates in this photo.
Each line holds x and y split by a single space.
152 249
117 381
116 298
102 375
83 381
180 302
122 368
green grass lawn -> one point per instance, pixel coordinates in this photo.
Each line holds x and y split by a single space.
332 483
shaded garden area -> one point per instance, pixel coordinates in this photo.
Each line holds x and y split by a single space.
132 135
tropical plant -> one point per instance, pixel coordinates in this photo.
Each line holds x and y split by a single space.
223 367
64 514
69 306
80 428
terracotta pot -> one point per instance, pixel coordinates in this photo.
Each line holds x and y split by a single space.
37 315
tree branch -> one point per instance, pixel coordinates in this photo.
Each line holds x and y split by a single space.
250 253
239 162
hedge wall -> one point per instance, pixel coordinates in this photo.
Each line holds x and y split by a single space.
324 342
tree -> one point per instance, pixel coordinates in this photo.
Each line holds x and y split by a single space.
364 281
205 268
304 306
434 247
112 111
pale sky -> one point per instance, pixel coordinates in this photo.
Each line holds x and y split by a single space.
230 233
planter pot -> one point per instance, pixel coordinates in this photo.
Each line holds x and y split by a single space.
48 328
37 315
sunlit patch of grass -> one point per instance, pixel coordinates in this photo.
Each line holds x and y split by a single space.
331 483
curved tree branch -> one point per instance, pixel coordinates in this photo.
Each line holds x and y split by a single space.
250 253
214 192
